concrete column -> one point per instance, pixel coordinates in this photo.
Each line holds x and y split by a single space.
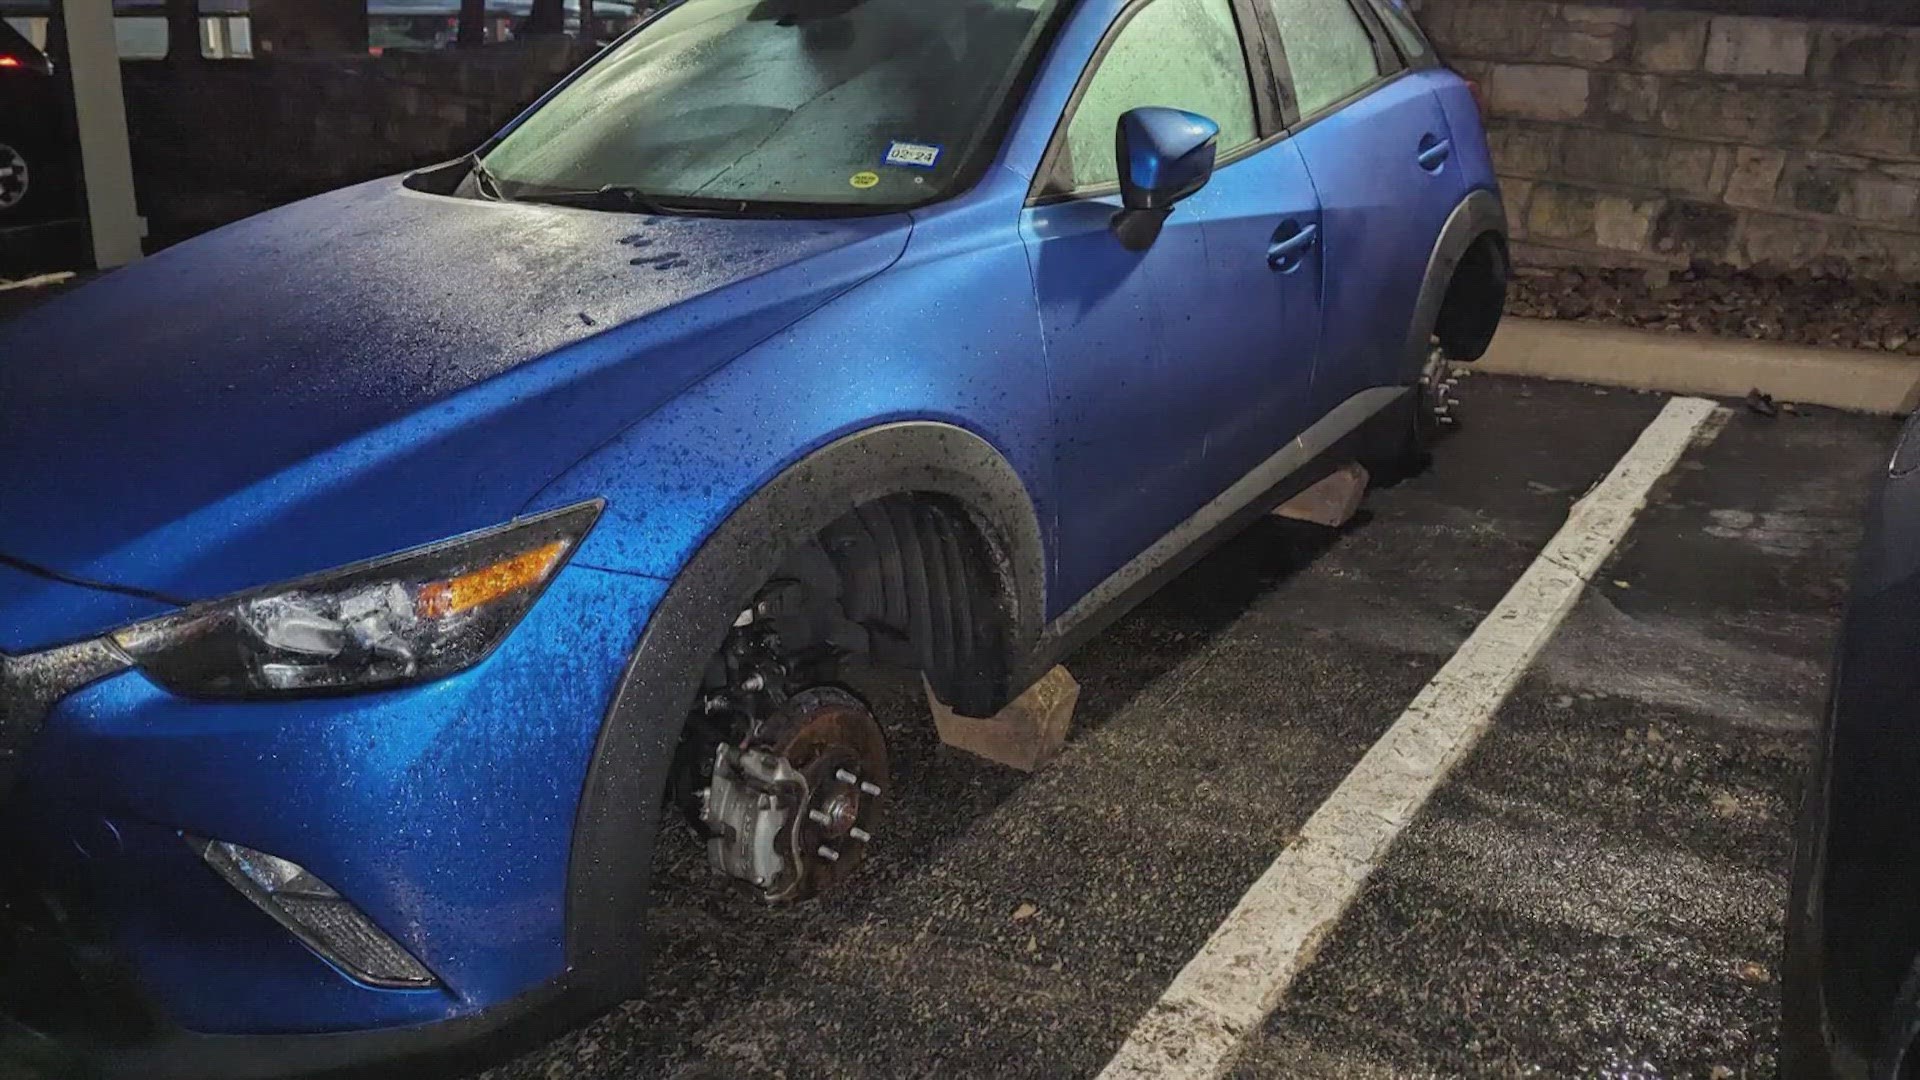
105 156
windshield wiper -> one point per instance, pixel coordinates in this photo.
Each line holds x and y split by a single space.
618 197
485 181
624 199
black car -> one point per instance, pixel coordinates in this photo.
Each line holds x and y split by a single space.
1851 987
39 174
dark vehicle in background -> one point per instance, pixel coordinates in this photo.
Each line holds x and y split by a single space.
1851 985
39 161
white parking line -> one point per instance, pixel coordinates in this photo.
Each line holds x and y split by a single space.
1225 992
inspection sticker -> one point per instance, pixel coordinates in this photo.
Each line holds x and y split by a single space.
864 180
912 155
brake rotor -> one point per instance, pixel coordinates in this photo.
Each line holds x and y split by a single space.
833 741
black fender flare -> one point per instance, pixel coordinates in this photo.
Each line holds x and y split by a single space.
620 803
1480 213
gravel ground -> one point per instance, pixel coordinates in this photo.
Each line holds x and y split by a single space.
1806 307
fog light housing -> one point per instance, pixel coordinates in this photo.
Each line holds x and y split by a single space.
321 918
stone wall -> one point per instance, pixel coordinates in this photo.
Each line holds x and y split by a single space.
1634 136
215 141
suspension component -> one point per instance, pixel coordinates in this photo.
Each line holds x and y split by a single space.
792 810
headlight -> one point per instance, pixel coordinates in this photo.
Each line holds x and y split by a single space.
403 618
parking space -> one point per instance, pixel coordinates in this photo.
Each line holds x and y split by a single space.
1596 889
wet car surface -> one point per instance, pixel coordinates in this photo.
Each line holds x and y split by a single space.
1598 889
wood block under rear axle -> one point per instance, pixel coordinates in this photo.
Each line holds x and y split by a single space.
1025 735
1331 502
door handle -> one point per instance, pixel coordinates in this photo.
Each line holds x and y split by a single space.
1285 251
1434 152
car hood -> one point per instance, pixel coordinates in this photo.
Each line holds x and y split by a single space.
362 372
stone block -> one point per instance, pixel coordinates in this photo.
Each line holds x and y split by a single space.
1748 46
1769 116
1822 159
1524 149
1587 34
1814 189
1588 16
1472 70
1516 194
1559 212
1631 98
1539 91
1882 200
1670 41
1694 229
1780 241
1878 56
1624 224
1877 127
1647 161
1027 734
1332 501
1584 47
1876 253
1755 177
1496 29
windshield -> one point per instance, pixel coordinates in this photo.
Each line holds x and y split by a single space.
829 103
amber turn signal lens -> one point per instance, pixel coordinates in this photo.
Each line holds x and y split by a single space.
440 599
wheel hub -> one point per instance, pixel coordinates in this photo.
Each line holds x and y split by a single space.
792 811
1437 383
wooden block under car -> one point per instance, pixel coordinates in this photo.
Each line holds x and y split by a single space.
1025 735
1331 502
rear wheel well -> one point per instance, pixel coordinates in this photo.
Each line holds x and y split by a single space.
1476 296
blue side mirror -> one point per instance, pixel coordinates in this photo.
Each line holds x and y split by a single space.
1165 155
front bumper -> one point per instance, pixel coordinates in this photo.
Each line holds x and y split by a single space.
442 811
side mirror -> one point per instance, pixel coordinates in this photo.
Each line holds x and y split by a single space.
1165 155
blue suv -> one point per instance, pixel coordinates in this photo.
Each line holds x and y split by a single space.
375 572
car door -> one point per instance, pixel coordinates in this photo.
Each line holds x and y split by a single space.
1377 145
1177 369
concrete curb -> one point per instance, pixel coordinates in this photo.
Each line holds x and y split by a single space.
1679 363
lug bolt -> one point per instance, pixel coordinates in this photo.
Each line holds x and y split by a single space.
860 834
828 853
845 777
820 817
869 788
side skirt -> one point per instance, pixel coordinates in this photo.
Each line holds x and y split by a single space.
1355 427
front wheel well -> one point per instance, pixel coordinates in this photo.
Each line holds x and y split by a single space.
1475 299
914 581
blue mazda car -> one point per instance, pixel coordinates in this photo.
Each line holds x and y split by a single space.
377 573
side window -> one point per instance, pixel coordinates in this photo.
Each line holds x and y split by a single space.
1329 54
1179 53
1406 33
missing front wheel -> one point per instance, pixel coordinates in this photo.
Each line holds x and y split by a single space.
792 811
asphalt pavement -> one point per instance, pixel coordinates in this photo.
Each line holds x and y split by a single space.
1596 890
